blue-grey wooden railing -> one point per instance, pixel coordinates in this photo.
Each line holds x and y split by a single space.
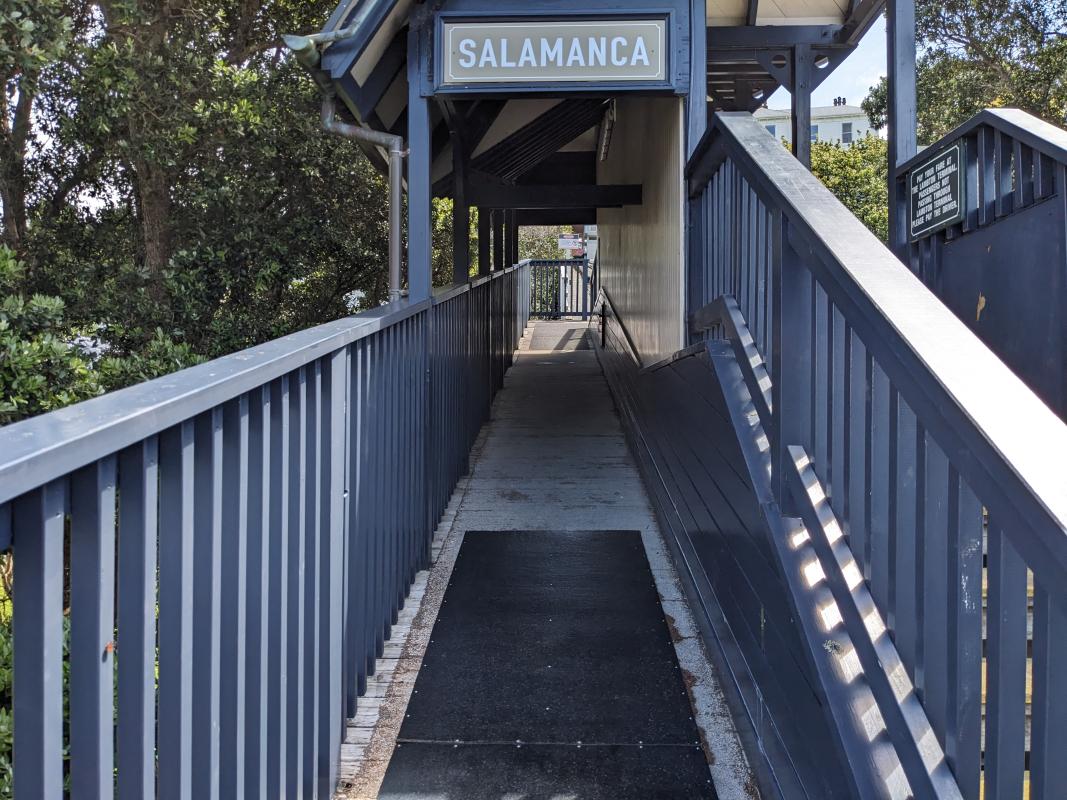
1003 268
900 444
239 538
561 288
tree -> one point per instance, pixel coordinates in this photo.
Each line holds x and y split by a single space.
541 241
857 176
39 369
162 167
985 53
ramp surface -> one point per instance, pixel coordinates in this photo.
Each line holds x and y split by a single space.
550 673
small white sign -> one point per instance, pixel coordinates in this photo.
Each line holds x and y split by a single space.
609 50
570 241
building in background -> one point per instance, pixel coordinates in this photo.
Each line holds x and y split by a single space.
837 123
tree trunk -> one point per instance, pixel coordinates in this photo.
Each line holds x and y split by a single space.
14 135
154 201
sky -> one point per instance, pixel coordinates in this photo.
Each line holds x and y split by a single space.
854 77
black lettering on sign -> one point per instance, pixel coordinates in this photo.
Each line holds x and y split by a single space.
935 196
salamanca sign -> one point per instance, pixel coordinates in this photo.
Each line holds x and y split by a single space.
586 51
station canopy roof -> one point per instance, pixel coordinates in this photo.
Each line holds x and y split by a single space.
748 58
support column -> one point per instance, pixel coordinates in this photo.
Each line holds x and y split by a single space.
902 118
697 104
420 257
513 238
485 226
498 239
461 213
801 99
461 238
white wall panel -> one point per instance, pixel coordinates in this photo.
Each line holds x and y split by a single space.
641 247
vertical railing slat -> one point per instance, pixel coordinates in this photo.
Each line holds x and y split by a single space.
964 641
1048 766
839 427
257 617
1005 668
207 579
905 552
931 679
176 561
331 718
92 630
298 399
312 562
880 485
279 644
234 597
136 690
355 601
38 520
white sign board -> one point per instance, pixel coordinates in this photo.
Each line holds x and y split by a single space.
570 241
597 51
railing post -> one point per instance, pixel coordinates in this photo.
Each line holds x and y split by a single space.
92 632
334 434
420 258
585 288
801 95
498 239
695 296
485 219
900 33
791 364
38 636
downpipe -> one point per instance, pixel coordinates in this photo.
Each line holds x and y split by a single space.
395 145
306 51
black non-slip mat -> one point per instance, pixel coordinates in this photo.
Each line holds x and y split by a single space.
540 772
550 672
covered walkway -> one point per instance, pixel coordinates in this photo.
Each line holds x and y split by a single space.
552 459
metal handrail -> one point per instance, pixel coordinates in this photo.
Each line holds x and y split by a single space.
904 445
250 528
37 450
604 301
937 362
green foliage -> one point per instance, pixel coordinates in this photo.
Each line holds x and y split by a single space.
42 365
160 355
542 242
39 369
7 727
162 169
976 54
857 176
168 192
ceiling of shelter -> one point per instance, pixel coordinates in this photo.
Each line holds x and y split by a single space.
777 12
750 44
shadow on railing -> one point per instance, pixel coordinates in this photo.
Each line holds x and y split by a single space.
910 457
254 523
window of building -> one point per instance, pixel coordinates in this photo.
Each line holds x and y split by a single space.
846 133
770 130
815 133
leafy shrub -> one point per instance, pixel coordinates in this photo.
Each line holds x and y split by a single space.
45 364
39 369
